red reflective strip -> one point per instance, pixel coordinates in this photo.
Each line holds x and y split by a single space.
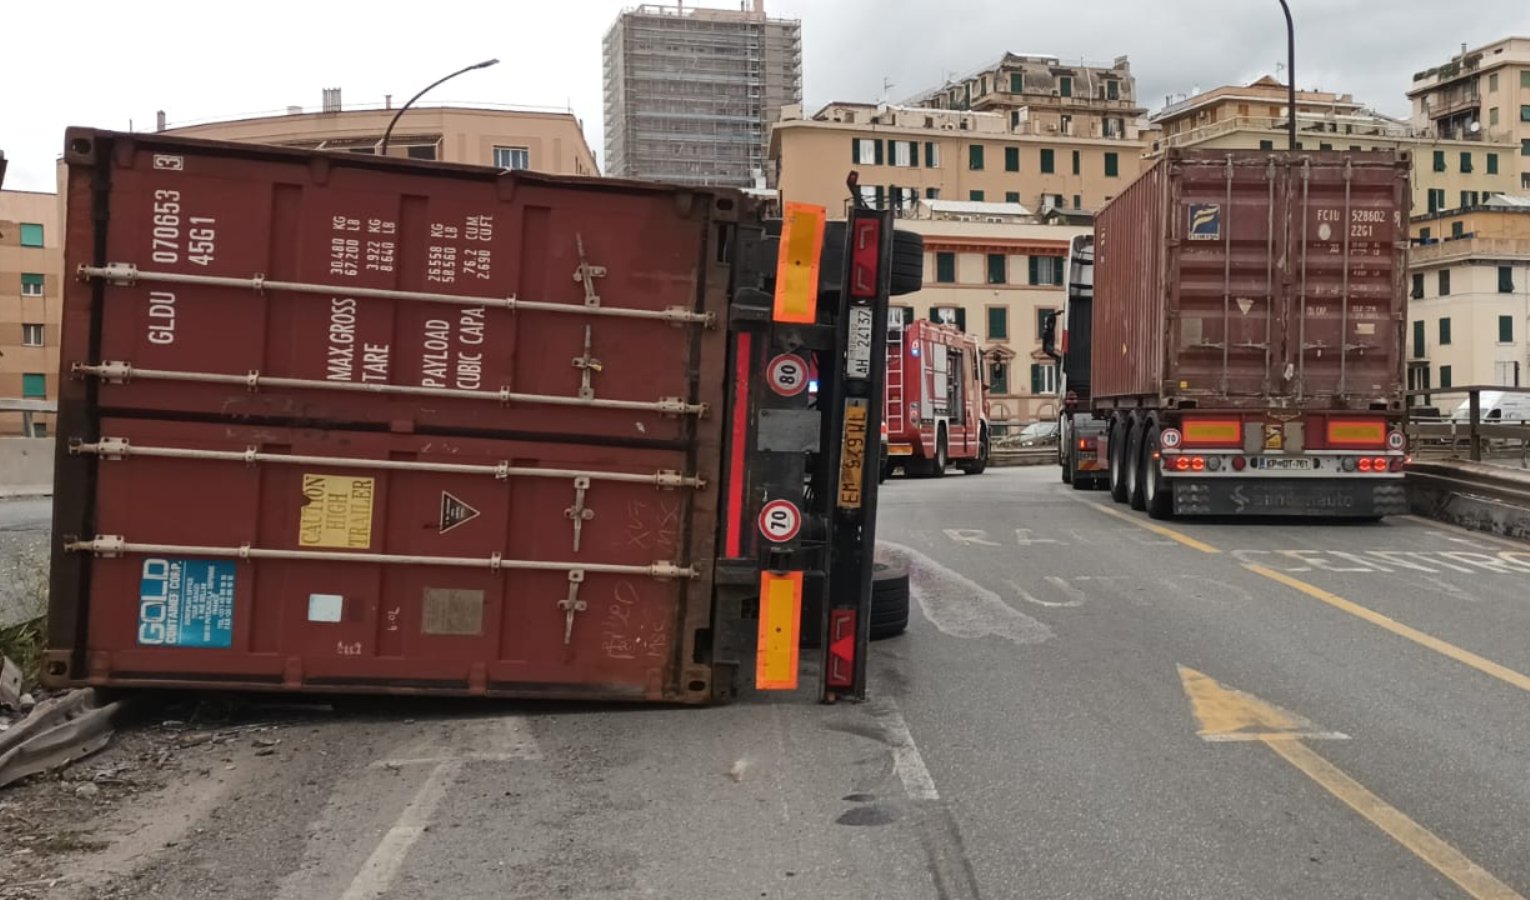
865 257
841 648
740 439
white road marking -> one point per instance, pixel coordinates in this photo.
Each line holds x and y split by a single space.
908 764
970 536
1076 596
959 606
382 867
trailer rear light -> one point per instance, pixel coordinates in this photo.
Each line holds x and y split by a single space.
1396 464
1379 464
1348 464
865 257
801 250
1180 463
1214 464
1198 464
1239 463
1088 444
775 667
841 671
1365 463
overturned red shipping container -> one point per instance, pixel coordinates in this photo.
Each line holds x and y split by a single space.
332 423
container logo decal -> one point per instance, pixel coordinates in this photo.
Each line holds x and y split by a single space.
1205 221
454 512
337 512
186 603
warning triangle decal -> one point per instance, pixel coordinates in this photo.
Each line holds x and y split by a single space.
454 512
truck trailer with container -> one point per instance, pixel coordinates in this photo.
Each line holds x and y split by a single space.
1245 336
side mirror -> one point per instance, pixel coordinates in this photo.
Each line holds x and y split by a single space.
1049 334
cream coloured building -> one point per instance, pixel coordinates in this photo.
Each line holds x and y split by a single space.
1480 95
509 138
1469 306
992 270
1448 172
31 302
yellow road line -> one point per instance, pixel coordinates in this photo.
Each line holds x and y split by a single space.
1466 657
1422 842
1169 533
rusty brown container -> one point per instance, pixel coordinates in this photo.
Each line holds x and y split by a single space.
1244 279
336 423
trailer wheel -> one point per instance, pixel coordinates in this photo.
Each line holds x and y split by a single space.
1157 491
1116 461
889 601
941 460
1133 460
1065 455
907 263
977 466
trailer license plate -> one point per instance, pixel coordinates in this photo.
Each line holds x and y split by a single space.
853 453
858 354
1286 465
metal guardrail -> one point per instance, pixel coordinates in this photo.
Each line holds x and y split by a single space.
1482 437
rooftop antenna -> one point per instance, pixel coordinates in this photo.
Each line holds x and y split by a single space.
887 86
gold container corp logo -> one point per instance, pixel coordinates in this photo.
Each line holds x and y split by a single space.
337 512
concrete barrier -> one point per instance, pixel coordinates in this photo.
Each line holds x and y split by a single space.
1478 496
26 465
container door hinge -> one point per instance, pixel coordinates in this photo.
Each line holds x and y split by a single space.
571 604
586 274
579 513
587 366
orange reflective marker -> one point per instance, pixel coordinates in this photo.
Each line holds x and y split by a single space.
797 260
775 658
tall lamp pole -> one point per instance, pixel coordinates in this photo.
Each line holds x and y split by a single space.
1290 77
383 147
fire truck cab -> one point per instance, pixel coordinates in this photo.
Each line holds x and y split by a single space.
936 401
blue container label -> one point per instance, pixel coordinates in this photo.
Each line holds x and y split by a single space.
186 603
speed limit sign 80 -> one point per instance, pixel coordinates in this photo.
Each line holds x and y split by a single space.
787 374
780 520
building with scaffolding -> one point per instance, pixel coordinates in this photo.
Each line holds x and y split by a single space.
691 93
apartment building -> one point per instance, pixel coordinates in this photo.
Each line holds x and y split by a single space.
1449 172
904 153
992 271
1469 307
507 138
31 303
1480 95
691 92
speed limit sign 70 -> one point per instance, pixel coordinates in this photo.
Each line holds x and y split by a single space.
780 520
787 374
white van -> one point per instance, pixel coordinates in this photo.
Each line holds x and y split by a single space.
1497 406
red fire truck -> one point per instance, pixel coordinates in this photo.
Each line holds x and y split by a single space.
937 403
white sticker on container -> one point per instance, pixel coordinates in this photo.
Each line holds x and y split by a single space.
325 607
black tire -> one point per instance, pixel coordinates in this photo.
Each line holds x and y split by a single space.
889 601
942 460
907 263
1133 460
1157 491
1116 461
977 466
1065 458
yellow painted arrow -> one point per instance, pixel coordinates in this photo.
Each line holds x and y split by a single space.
1225 714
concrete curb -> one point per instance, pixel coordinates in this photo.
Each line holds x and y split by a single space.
26 492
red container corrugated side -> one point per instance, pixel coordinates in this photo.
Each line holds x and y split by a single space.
292 532
1250 279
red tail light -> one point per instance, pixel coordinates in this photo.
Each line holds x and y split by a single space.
1198 464
1365 463
866 257
1397 464
841 672
1379 464
1239 463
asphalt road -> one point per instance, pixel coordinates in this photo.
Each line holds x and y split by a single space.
1084 707
24 526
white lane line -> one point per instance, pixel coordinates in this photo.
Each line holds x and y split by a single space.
382 867
908 764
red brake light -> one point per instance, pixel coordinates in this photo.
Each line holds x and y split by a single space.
841 672
1397 464
1198 464
1365 463
1379 464
1239 463
865 257
1181 463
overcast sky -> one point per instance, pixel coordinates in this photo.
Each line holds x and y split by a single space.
107 64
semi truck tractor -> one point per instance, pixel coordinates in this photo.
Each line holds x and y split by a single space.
1243 328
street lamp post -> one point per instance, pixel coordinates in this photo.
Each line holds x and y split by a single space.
1290 77
383 146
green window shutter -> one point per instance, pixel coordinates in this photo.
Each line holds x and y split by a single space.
1418 287
1266 145
1065 86
1078 201
975 157
1036 381
997 273
961 318
1445 379
1035 269
1524 146
1048 164
1458 228
1439 160
1112 165
929 154
1418 339
881 197
1444 282
1016 83
31 280
1011 196
1505 329
1077 162
1112 90
1011 159
945 268
855 151
998 323
31 235
1466 161
1505 279
34 386
1492 164
876 157
932 193
975 196
998 378
913 153
1444 331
